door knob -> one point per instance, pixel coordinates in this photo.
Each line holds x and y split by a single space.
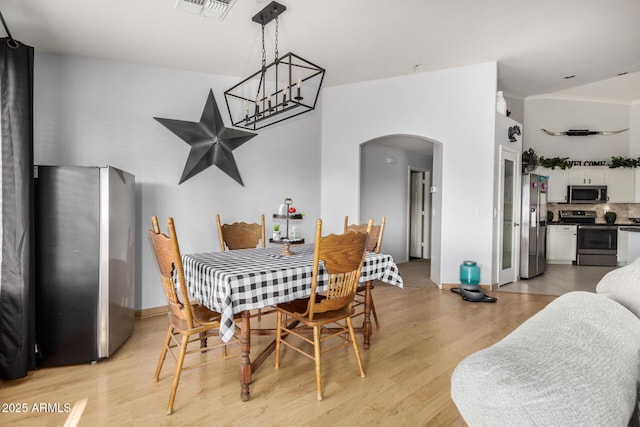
515 224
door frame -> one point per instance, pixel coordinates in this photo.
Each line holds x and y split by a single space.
512 274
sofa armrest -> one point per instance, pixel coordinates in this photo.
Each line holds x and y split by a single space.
623 286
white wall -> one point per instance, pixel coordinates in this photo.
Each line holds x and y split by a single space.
94 112
455 107
634 135
562 113
384 190
515 105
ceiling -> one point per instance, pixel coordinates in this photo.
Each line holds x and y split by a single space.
536 43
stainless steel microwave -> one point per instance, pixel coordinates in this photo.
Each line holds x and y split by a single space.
587 194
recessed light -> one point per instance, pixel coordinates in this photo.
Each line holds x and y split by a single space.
623 73
569 77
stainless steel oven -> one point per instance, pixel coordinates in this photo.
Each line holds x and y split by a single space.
597 245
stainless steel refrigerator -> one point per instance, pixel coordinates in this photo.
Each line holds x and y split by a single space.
85 265
533 251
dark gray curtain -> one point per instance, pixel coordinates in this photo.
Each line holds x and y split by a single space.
17 299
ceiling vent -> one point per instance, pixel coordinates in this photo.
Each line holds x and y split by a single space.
209 8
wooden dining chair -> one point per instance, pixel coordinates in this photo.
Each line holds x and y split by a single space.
374 244
189 322
240 235
342 257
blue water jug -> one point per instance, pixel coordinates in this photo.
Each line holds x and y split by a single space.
469 273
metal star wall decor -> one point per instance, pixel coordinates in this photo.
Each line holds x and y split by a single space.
211 143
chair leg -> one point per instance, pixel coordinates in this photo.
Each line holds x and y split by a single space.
163 354
259 314
316 351
203 340
375 315
355 346
369 292
178 371
278 337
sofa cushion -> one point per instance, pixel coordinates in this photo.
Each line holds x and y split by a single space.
623 286
576 362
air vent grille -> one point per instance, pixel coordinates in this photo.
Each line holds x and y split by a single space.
209 8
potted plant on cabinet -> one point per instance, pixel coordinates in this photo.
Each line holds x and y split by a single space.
529 160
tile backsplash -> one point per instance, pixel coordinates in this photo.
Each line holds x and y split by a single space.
624 211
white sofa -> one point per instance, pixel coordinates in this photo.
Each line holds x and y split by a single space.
576 362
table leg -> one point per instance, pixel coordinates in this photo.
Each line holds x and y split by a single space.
245 361
367 315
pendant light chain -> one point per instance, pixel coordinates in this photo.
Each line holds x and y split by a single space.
276 50
264 52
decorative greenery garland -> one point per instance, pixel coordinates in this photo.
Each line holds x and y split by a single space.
565 163
554 162
624 162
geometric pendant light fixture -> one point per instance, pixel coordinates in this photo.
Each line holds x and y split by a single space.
285 88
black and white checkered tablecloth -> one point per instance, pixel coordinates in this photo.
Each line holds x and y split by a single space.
233 281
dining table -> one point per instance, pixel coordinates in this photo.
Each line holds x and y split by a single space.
235 282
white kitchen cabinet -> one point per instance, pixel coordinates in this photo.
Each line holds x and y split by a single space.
623 247
557 185
621 185
584 175
621 182
636 173
633 243
561 243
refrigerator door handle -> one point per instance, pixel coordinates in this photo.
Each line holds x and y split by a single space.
534 218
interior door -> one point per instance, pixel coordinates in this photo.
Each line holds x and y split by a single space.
509 213
416 215
426 215
420 220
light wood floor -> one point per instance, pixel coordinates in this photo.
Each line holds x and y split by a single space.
560 279
557 279
425 333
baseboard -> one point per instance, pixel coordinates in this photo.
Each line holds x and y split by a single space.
151 312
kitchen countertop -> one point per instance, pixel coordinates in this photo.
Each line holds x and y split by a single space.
630 229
